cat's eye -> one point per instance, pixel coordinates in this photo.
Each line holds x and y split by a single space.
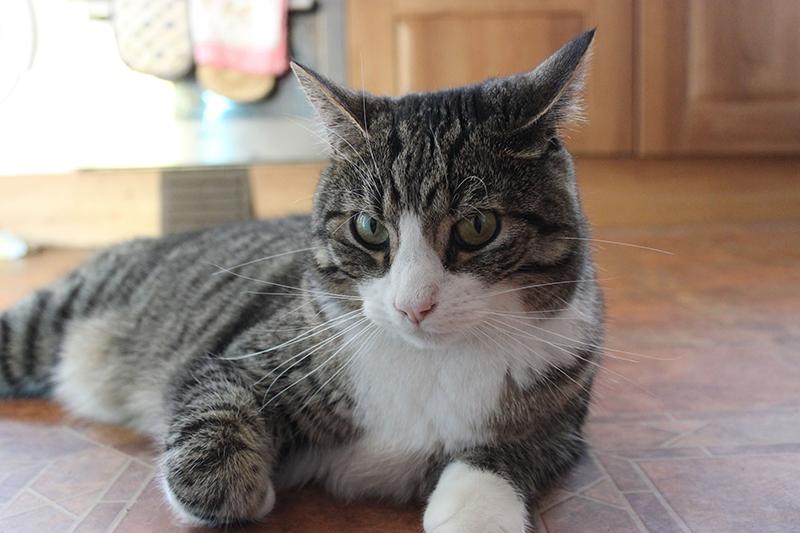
369 232
477 230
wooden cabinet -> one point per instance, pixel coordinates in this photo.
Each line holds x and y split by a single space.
397 46
719 76
667 78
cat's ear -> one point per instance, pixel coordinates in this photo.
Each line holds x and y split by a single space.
548 96
342 112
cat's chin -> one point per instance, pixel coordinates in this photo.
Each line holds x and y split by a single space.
427 340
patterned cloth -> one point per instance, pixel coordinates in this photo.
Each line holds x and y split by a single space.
153 36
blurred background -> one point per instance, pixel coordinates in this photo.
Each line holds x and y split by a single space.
111 125
126 118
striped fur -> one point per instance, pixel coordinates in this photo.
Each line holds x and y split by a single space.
291 370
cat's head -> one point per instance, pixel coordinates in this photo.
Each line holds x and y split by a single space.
441 208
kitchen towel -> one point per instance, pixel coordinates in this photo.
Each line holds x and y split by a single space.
240 46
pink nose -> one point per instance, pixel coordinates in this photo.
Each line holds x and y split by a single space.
416 313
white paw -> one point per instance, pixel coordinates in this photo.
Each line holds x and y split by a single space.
468 500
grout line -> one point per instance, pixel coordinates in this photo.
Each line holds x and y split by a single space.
27 485
672 440
108 447
621 507
627 505
56 504
103 493
130 503
660 497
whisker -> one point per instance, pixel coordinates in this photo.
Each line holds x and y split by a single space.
303 336
374 332
318 367
589 361
618 243
533 352
308 352
526 287
289 287
600 347
282 254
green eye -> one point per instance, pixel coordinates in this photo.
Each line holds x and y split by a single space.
477 230
369 232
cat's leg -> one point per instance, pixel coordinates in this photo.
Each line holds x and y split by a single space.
219 451
489 489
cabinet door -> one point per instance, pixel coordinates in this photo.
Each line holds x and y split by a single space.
719 76
397 46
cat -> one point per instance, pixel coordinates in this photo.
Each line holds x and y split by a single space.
430 333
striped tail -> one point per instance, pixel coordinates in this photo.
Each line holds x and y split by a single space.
30 339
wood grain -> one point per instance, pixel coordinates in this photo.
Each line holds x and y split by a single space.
719 77
409 45
81 209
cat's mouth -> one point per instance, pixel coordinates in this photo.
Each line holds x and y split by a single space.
423 336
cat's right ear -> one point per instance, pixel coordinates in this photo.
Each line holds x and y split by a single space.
343 112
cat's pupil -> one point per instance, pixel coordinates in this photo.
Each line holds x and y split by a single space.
373 226
477 223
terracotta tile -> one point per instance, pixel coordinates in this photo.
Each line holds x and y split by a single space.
652 513
16 480
731 493
21 441
578 515
585 473
756 449
605 491
81 473
119 438
100 518
551 498
605 435
311 510
623 473
149 513
47 519
30 410
737 430
81 503
129 483
23 502
658 453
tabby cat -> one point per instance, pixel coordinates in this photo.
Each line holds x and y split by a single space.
430 332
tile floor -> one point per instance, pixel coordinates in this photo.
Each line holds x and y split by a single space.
700 433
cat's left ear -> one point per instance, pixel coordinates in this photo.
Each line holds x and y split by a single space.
343 112
547 97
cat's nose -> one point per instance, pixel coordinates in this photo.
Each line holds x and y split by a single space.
417 312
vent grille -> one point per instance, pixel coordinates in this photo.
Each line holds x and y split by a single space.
192 199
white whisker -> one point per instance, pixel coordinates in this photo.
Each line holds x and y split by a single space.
282 254
628 244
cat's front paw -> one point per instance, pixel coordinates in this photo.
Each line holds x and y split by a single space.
217 476
468 500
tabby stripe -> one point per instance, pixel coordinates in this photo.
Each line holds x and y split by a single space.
5 353
545 227
534 267
96 292
247 316
63 311
330 215
430 197
332 270
30 358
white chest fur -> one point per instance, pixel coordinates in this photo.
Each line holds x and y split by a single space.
410 402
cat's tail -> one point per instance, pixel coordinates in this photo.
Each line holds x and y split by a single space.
31 334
